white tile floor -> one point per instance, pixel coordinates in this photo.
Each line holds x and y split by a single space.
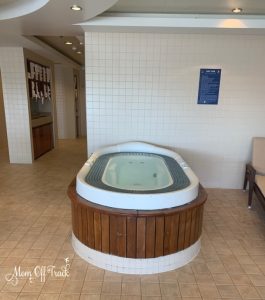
35 230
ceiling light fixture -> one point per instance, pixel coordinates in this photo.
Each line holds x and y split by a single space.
68 43
74 48
79 52
237 10
76 7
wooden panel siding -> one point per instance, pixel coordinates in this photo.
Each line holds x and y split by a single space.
97 230
159 235
136 233
105 233
150 237
140 237
131 237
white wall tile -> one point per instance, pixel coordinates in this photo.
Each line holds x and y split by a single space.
144 86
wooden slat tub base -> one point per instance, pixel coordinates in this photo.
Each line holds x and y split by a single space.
136 265
149 241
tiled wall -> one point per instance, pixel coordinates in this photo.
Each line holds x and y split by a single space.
144 86
16 104
64 89
82 97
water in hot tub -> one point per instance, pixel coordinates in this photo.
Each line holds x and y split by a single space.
137 172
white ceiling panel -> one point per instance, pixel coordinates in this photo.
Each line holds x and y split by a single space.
190 6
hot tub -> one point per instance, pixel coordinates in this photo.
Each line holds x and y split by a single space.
151 177
137 209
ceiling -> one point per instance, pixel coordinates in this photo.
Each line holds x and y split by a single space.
53 22
2 2
12 8
49 19
53 19
189 6
74 51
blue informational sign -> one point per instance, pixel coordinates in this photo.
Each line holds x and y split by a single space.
209 86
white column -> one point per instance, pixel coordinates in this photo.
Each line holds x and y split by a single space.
65 101
16 104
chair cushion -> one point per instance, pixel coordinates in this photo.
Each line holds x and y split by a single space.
258 155
260 181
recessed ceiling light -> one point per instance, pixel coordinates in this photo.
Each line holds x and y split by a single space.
237 10
76 7
79 52
74 48
81 43
68 43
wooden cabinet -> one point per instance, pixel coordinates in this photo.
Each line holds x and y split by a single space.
42 139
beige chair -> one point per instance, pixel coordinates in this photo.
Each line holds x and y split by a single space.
255 172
